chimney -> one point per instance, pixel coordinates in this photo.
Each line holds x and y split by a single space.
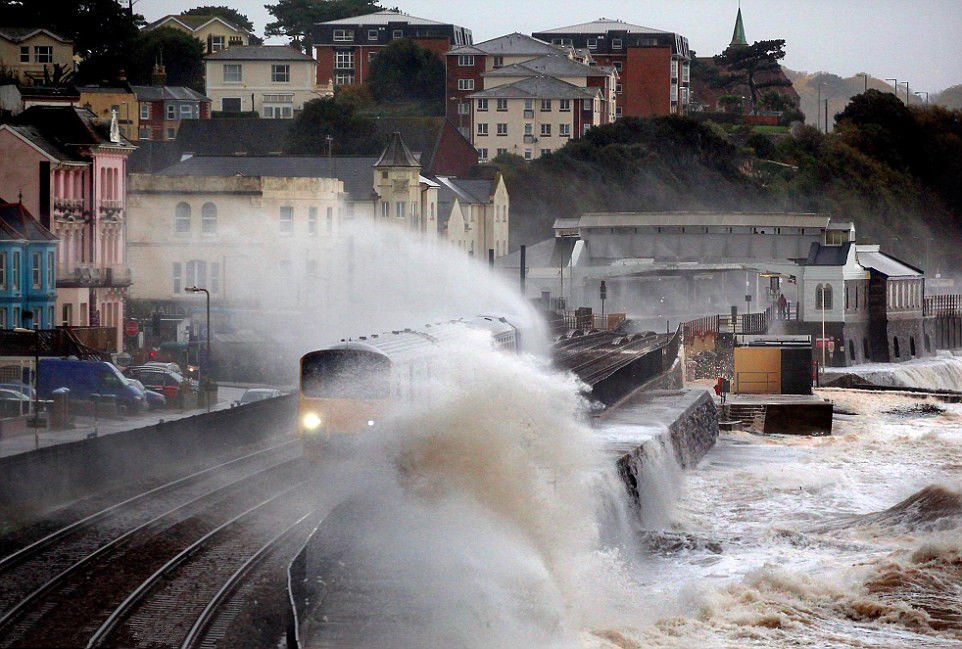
159 76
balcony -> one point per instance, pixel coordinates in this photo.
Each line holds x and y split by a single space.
68 209
111 210
90 275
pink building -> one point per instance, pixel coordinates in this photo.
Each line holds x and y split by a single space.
70 170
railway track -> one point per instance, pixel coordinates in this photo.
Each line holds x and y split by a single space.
54 589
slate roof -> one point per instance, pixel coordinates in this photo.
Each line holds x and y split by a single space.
193 22
822 255
886 264
160 93
152 155
601 26
259 53
397 154
63 132
539 87
467 191
516 44
382 18
17 223
555 65
19 34
357 173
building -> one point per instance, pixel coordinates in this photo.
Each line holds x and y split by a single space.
213 32
272 80
33 55
71 170
653 65
17 98
533 116
28 270
345 48
162 109
475 214
103 100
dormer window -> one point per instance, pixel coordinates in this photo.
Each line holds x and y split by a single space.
592 43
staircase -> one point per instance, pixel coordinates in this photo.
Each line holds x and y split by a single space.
752 416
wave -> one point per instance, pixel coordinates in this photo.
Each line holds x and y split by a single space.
931 509
940 373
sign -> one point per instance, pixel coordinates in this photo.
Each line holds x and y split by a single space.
604 290
748 298
131 328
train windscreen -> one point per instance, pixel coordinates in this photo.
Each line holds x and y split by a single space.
346 374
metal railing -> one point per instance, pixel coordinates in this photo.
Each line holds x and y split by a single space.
934 305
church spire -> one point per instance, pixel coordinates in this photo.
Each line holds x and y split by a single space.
738 37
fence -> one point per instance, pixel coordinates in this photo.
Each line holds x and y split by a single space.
935 305
746 323
594 322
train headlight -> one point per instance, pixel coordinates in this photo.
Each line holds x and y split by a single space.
370 422
311 421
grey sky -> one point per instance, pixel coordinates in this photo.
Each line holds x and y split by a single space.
915 40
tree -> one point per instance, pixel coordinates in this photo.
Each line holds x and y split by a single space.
182 56
232 16
755 66
296 18
352 134
406 72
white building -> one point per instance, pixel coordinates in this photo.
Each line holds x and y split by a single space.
273 80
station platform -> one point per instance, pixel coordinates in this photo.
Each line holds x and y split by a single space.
773 414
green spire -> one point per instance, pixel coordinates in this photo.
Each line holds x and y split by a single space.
738 37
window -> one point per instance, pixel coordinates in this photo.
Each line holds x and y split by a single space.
502 151
3 318
282 111
182 218
16 317
544 152
527 154
592 43
464 108
287 219
344 79
51 266
385 210
208 218
465 84
564 105
527 128
483 105
214 285
311 267
370 56
618 111
171 111
372 34
196 273
564 130
616 43
42 54
482 128
232 73
216 43
145 110
502 129
230 104
171 134
545 105
499 61
686 72
397 33
3 270
399 209
466 60
312 221
24 54
343 35
528 104
281 73
175 277
482 154
546 130
344 59
329 220
617 65
823 297
186 111
502 104
618 88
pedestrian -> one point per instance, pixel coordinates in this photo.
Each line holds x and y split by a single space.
782 306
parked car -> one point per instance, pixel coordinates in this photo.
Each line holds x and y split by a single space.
85 379
159 380
258 394
22 388
153 399
13 403
173 367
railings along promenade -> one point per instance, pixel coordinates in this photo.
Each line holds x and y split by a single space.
745 323
936 305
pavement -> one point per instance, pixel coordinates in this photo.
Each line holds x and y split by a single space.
87 426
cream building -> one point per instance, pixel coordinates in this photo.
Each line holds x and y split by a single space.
273 80
475 214
28 51
213 32
102 101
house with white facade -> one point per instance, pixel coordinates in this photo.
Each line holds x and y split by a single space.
274 81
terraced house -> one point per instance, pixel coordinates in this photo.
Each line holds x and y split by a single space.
27 269
213 32
29 53
272 80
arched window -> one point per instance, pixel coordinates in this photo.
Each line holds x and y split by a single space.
865 349
182 218
208 218
895 345
912 345
823 297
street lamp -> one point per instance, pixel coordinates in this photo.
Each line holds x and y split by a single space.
28 315
922 92
864 76
896 82
821 288
906 84
194 289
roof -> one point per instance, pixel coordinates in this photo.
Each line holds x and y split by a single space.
259 53
464 190
382 18
160 93
19 34
601 26
872 258
822 255
17 223
554 65
397 154
152 155
761 219
357 173
510 44
738 36
64 132
539 87
193 23
114 90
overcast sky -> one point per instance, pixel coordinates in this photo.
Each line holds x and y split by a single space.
919 41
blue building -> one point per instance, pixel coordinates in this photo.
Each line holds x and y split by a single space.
28 266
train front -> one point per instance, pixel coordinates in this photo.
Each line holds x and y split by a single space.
345 390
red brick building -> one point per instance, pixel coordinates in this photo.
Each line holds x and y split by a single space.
345 48
654 65
163 108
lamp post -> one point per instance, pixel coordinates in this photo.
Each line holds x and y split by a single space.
920 93
896 82
194 289
864 76
28 315
906 84
457 104
821 288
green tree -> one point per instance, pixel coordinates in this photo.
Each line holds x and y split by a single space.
181 54
406 72
755 66
880 125
352 134
232 16
296 18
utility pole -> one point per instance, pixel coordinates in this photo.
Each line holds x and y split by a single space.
826 115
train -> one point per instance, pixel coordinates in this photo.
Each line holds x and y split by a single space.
347 388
